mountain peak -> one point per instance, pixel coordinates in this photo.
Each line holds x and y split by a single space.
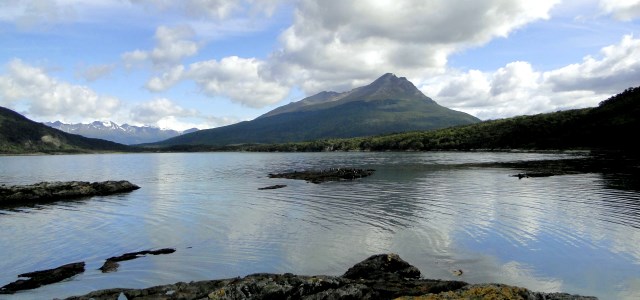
391 79
387 87
388 77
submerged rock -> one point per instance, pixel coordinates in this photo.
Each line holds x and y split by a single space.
111 264
52 191
44 277
384 276
333 174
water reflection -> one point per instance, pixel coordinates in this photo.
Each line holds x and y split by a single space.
575 233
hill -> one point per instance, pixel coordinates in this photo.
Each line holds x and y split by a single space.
389 104
122 134
19 135
613 125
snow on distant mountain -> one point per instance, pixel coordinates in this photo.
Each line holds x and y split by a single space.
123 134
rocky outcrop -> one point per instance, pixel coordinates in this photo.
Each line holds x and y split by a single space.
384 276
111 264
44 277
333 174
53 191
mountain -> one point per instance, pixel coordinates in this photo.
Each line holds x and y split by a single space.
125 134
19 135
389 104
611 126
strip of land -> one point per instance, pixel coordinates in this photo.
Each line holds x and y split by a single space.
45 192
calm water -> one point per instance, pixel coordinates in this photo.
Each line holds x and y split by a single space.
571 233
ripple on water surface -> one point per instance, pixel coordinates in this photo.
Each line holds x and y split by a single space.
570 233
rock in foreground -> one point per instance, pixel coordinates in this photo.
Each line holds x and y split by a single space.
334 174
52 191
384 276
44 277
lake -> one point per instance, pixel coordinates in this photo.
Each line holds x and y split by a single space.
440 211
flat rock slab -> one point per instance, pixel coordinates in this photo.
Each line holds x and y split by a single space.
389 278
53 191
333 174
44 277
111 264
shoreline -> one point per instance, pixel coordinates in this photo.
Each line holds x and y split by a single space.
383 276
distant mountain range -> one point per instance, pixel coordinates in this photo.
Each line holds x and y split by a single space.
613 125
19 135
123 134
389 104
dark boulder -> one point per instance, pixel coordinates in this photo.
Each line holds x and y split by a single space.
382 266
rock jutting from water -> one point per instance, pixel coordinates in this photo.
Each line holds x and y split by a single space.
111 264
272 187
53 191
384 276
44 277
333 174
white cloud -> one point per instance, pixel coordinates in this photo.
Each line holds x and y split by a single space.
515 89
134 58
164 113
47 97
515 77
511 90
29 14
213 9
172 45
617 69
166 80
518 88
153 111
624 10
93 73
340 44
238 79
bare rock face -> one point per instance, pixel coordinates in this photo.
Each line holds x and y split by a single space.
44 192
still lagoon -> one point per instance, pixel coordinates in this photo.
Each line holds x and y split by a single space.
440 211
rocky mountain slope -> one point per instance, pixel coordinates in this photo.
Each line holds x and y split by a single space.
389 104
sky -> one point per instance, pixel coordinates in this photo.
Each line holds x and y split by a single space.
210 63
